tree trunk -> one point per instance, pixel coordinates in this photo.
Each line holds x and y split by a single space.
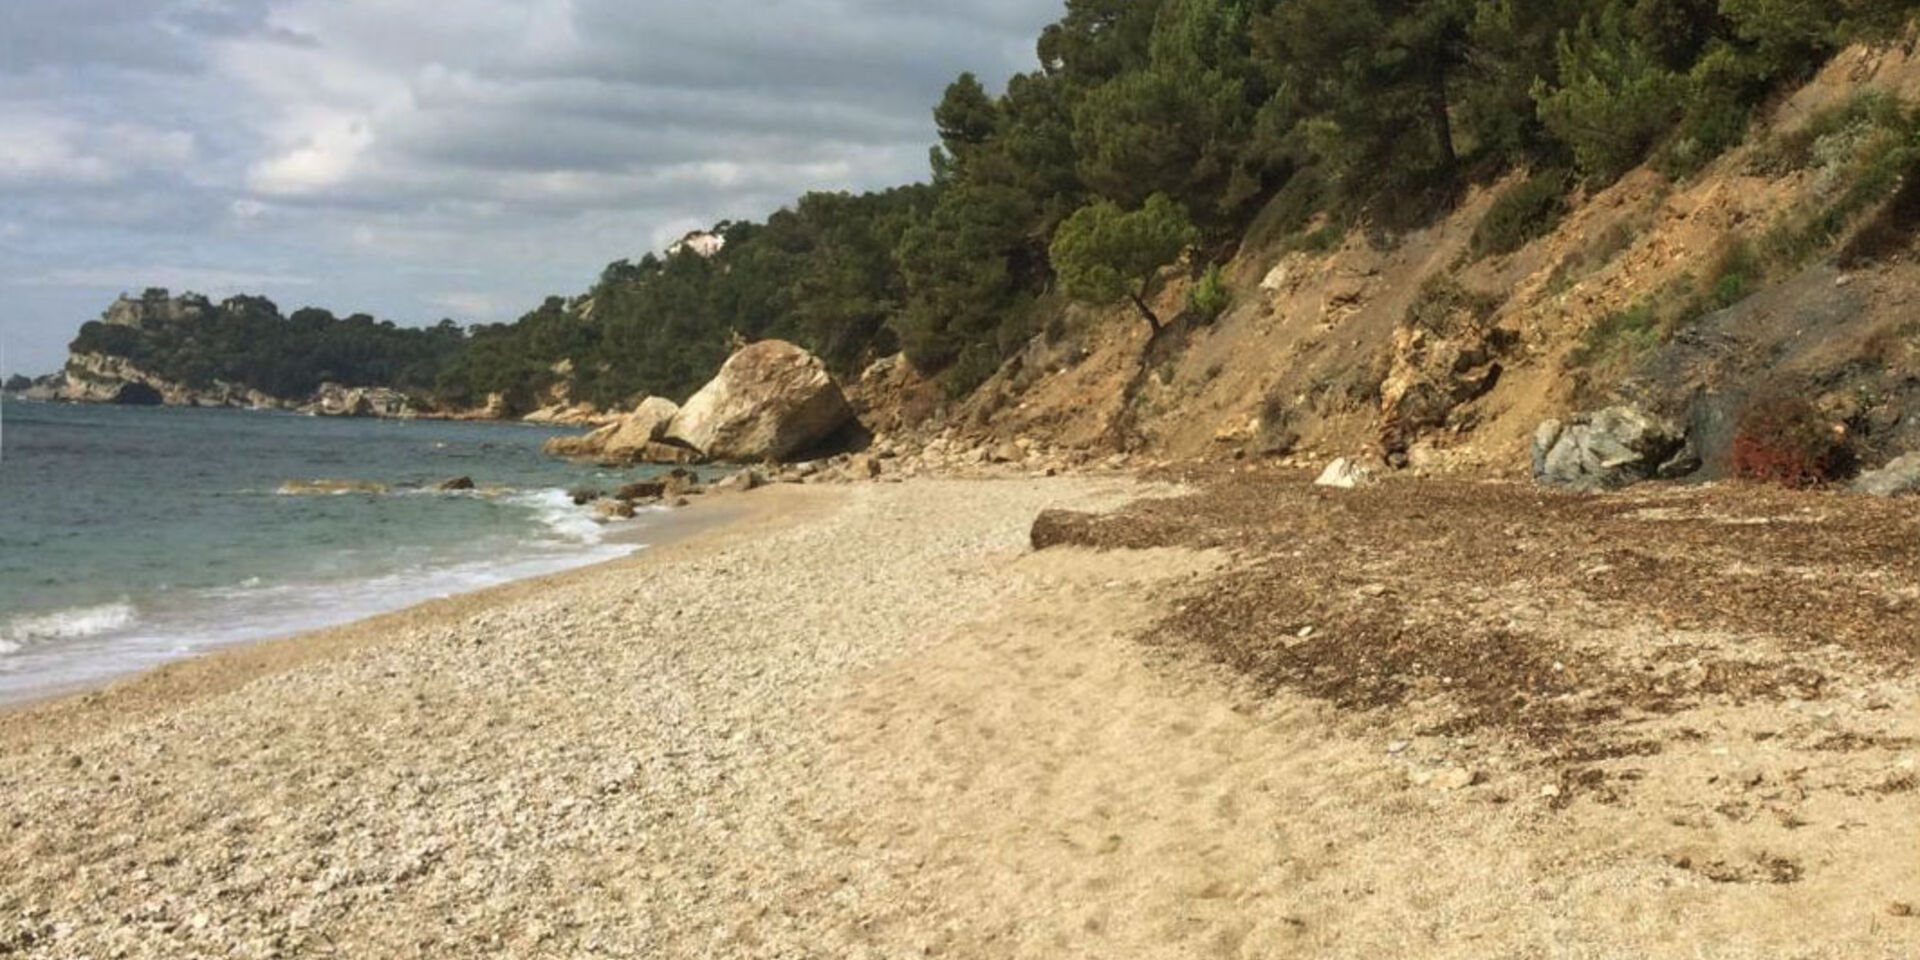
1442 117
1140 300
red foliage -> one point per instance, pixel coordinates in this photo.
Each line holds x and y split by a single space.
1782 439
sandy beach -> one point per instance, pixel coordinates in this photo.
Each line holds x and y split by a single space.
870 721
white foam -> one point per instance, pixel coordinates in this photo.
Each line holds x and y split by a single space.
81 645
73 623
555 510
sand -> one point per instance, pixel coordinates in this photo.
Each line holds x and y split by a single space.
864 721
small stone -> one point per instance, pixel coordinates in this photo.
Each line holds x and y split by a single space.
1550 791
1399 746
1900 908
1344 474
1452 778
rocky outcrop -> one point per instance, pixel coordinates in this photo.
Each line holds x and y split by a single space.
1445 354
155 309
578 415
45 387
1609 449
100 378
1896 479
334 400
769 401
633 438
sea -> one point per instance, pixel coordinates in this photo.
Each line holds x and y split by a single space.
133 536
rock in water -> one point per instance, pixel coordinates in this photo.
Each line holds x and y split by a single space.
642 490
614 510
770 400
1344 474
1609 449
1899 478
324 488
457 483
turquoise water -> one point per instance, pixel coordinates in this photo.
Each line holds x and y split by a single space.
132 536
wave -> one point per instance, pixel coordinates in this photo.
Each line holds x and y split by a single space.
555 510
55 649
74 623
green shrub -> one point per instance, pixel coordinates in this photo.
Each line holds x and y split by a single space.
1210 297
1528 209
1619 336
1836 130
1736 272
1444 307
1859 170
969 370
1720 91
1325 238
1613 101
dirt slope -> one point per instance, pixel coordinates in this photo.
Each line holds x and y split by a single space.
1311 358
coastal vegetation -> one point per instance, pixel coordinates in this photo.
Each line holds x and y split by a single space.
1288 120
246 340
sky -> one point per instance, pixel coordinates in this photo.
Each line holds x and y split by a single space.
425 160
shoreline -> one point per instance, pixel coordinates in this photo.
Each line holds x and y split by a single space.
220 669
872 721
435 417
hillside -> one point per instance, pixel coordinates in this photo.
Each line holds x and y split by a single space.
1783 267
1285 228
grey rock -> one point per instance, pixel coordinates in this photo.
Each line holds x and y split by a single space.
1344 474
1896 479
1608 449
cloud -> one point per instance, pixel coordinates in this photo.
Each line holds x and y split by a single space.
198 279
391 153
475 305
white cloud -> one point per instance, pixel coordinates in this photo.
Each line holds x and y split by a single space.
394 149
471 305
39 147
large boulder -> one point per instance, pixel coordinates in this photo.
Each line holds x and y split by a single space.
635 432
1896 479
769 401
1609 449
